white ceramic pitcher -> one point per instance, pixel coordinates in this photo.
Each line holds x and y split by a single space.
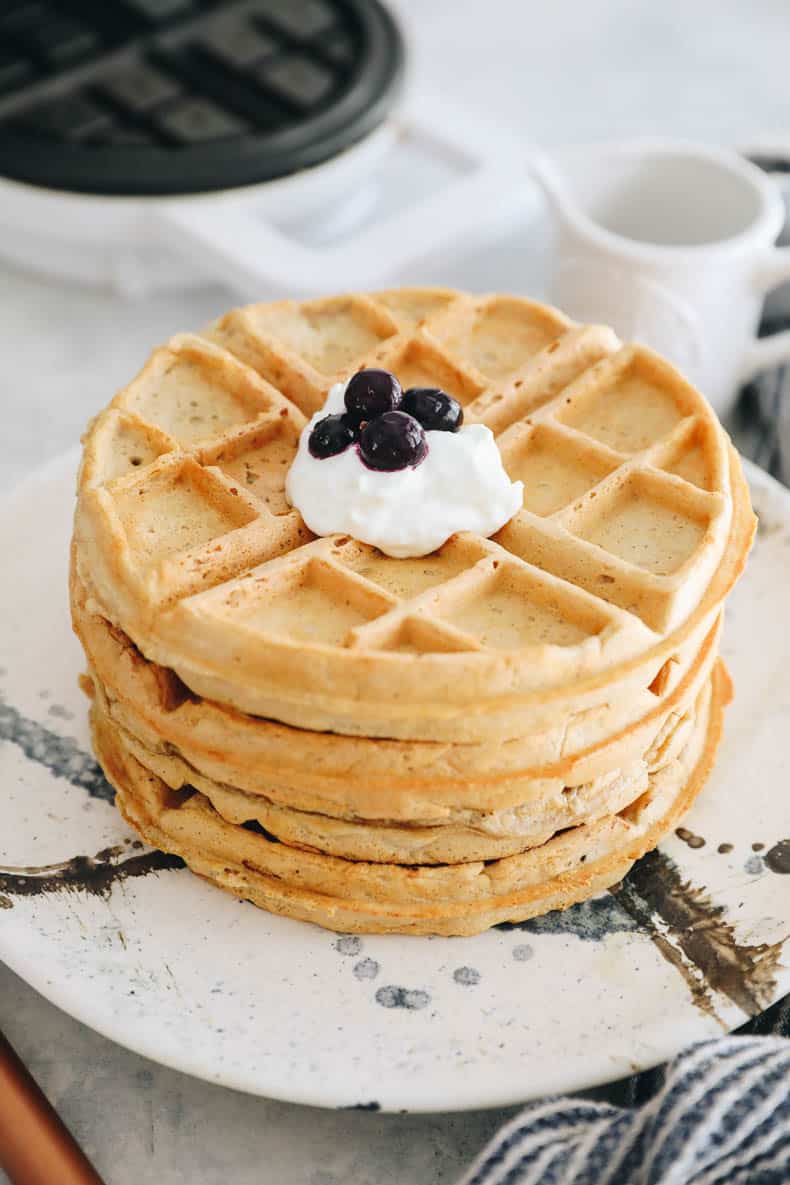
672 244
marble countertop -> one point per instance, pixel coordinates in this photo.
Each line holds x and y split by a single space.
562 72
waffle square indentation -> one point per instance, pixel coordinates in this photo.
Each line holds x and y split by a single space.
407 578
411 306
554 471
308 603
629 414
176 510
418 364
187 400
259 461
500 336
643 527
127 444
508 610
330 335
690 458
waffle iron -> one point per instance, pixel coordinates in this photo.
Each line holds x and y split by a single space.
163 143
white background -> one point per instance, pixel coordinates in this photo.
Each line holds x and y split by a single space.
558 72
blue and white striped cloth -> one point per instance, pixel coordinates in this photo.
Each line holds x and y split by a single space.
722 1117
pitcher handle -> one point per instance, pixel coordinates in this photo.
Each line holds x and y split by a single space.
773 268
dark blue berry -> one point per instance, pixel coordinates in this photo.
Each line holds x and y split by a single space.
371 393
435 409
330 436
392 441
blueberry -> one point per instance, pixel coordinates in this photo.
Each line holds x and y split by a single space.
371 393
435 409
392 441
330 436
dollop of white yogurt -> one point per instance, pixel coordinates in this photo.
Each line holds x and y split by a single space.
461 485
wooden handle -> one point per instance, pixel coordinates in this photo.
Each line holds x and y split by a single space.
35 1146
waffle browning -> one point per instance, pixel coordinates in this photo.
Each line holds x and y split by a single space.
423 745
627 516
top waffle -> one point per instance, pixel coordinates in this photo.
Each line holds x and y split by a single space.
635 522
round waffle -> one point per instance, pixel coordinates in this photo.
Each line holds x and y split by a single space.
449 899
483 836
634 527
422 745
348 778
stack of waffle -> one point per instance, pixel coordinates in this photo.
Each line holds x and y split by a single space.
416 745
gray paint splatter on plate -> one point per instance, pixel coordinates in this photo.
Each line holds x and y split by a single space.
61 755
411 999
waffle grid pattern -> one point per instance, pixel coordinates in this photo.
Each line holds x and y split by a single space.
426 745
190 464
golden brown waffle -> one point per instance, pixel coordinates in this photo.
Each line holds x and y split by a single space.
352 779
450 899
634 527
424 745
482 836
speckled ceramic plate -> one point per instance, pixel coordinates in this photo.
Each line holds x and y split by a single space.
152 957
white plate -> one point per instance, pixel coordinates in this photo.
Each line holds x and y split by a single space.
177 970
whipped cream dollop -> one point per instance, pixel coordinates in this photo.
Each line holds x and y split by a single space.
461 485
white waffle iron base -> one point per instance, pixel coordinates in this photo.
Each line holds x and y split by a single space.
430 177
